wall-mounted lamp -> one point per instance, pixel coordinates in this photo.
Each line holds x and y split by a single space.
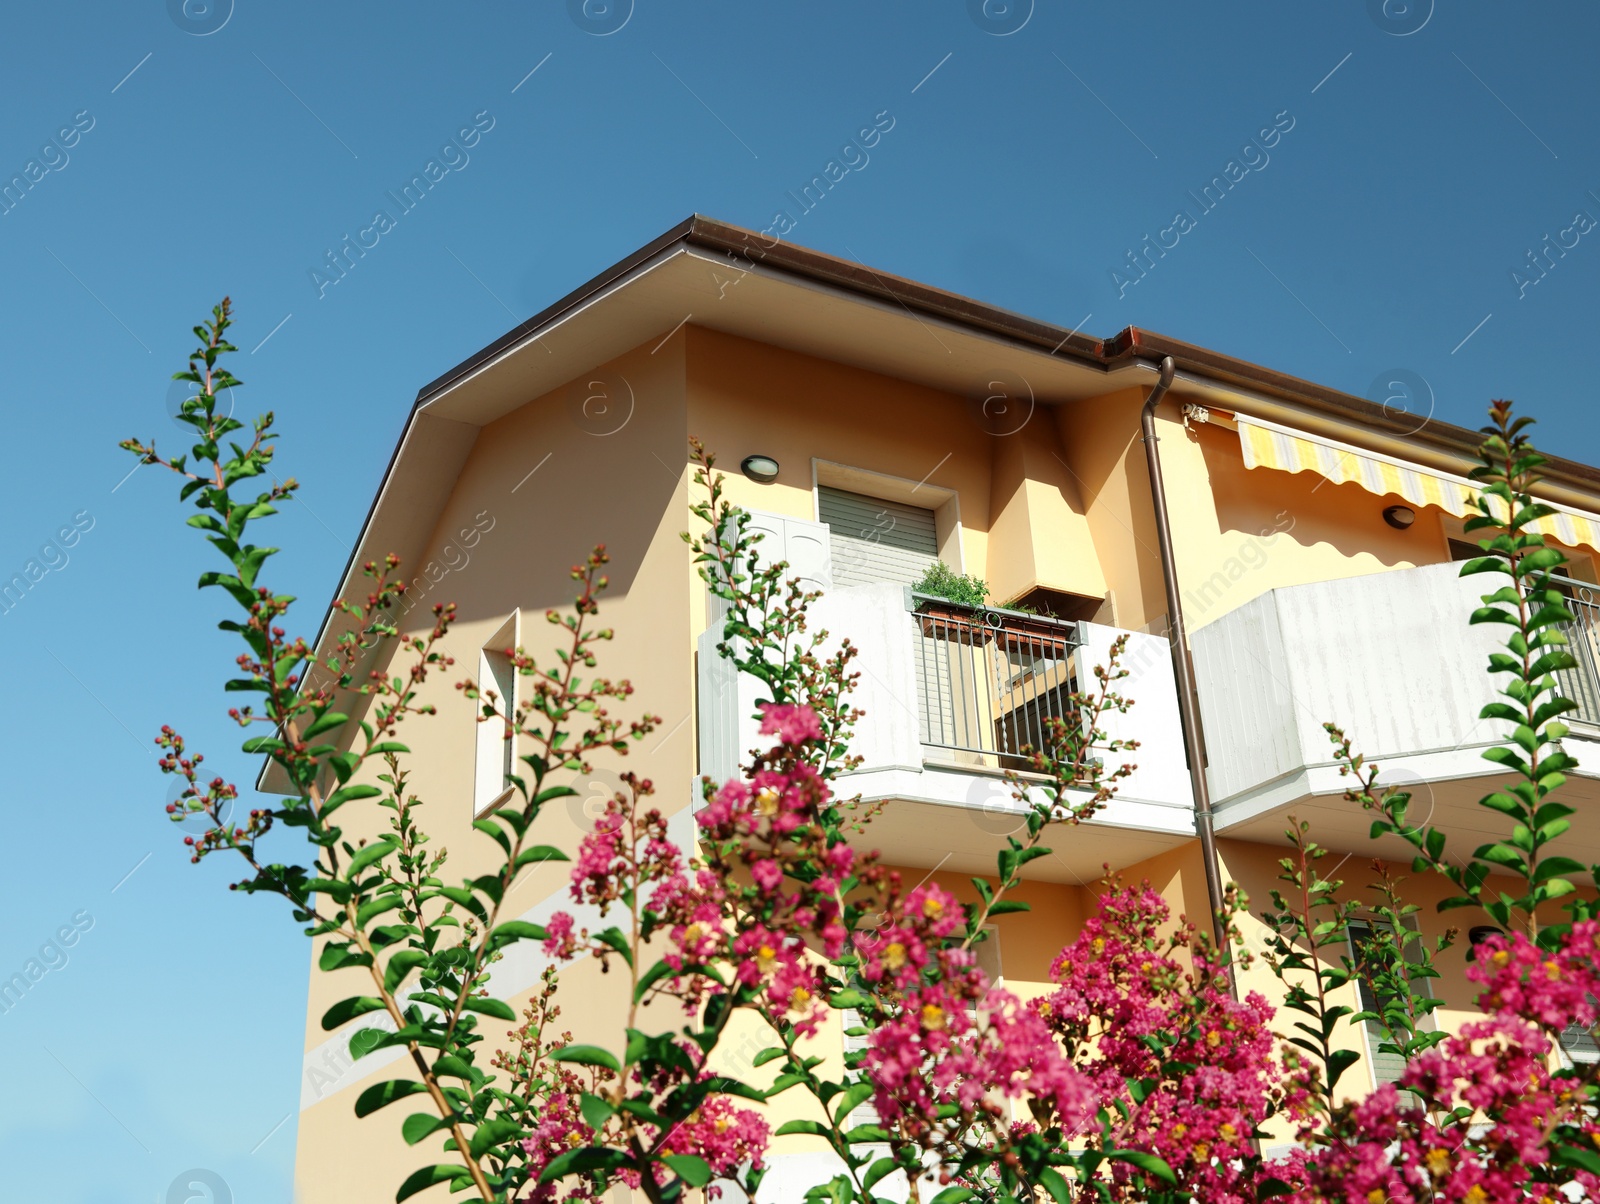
1399 517
762 469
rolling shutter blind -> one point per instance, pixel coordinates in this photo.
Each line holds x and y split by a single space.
1579 1044
865 1113
876 541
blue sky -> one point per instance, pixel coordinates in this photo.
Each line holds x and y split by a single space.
1420 156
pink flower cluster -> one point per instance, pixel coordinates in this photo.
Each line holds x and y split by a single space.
1129 1011
625 848
938 1050
728 1137
561 1128
775 803
792 723
1485 1105
765 825
950 1038
1497 1072
1551 989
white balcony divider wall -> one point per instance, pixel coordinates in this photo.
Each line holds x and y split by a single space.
727 732
1389 656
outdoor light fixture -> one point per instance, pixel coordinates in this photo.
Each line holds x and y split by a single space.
763 469
1399 517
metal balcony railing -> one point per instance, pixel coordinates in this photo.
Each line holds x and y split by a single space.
988 679
1582 682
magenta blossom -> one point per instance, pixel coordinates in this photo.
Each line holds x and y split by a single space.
792 723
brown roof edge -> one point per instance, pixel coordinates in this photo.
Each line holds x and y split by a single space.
755 249
1132 344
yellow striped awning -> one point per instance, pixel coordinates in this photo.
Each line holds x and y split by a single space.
1267 445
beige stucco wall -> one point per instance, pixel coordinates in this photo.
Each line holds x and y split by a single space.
627 490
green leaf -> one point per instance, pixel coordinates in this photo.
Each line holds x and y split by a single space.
1007 906
879 1169
490 828
337 955
493 1133
539 853
375 851
400 964
1339 1061
596 1111
487 1005
1552 866
1576 1157
380 1095
588 1158
588 1055
326 722
652 976
376 907
344 764
809 1128
696 1172
457 1068
427 1177
1147 1162
954 1195
515 930
348 1009
1501 854
349 794
854 1095
1050 1179
419 1124
618 940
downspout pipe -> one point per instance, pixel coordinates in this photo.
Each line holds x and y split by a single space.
1182 668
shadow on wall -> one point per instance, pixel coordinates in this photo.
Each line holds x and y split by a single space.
1345 517
1255 868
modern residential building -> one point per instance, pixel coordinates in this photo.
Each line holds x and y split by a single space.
883 426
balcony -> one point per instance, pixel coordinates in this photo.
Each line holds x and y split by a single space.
952 695
1390 658
988 681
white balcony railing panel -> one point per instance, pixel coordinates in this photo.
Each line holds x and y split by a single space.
897 764
1161 775
873 618
1389 657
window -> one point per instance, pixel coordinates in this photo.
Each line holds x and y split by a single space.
875 540
988 952
1386 1067
496 755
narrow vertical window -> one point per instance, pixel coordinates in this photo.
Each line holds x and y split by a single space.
496 755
